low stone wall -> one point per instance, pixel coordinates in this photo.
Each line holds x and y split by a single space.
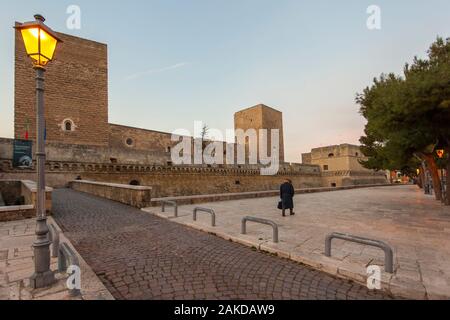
25 193
29 192
14 213
184 200
135 196
10 191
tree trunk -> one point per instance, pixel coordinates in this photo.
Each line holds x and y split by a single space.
447 193
434 175
421 179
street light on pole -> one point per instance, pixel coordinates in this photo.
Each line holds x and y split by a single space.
40 44
440 153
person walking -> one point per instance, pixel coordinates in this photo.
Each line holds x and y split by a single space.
287 193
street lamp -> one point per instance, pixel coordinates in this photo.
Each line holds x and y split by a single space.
40 44
440 153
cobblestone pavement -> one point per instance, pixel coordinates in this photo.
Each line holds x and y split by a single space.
140 256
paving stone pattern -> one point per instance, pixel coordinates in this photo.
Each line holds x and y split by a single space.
140 256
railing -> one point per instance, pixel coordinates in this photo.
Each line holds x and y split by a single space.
53 236
210 211
262 221
388 252
67 257
170 203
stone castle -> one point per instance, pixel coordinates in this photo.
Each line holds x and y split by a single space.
80 142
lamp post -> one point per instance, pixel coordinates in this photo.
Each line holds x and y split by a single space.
440 153
40 44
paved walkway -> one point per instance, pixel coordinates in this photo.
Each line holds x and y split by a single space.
140 256
415 225
17 265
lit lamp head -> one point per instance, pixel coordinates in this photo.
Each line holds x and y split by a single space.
40 41
440 153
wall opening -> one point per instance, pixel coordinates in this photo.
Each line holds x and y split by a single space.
129 142
135 183
68 125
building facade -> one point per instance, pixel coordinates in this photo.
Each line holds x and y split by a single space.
340 166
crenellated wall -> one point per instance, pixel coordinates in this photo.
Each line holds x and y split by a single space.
69 162
169 180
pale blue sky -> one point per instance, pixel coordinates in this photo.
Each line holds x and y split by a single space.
172 62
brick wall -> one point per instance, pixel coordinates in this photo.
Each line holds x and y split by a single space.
123 137
76 84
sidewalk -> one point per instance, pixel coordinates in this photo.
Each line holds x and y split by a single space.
17 265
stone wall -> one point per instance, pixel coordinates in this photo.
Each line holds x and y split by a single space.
10 191
135 196
25 192
170 180
29 192
140 139
90 153
15 213
76 84
353 178
261 117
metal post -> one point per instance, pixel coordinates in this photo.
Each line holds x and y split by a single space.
43 276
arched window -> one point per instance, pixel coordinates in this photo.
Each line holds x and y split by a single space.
68 125
331 155
135 183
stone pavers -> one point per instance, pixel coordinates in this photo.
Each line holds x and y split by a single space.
17 265
415 225
140 256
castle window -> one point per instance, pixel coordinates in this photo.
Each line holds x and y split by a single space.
169 149
333 185
68 125
357 154
129 142
331 155
325 168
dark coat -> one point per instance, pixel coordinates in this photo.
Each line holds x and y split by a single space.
287 193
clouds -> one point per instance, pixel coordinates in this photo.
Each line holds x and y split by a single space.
138 75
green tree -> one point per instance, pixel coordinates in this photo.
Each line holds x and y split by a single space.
408 116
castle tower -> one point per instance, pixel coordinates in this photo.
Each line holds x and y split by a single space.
76 93
261 117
